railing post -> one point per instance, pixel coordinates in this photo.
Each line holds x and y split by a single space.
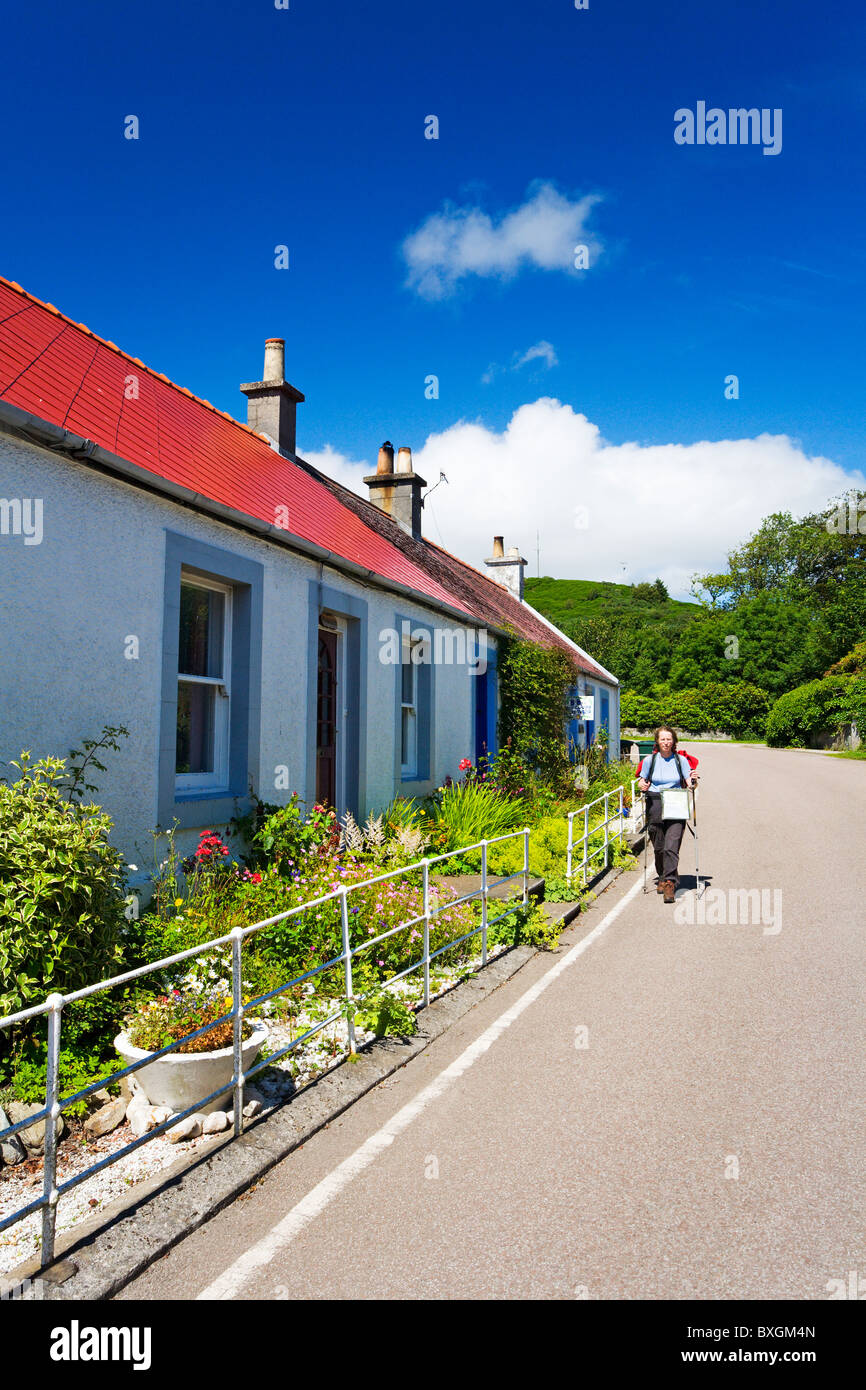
606 828
49 1165
483 902
585 842
621 817
525 863
570 833
426 864
237 936
347 963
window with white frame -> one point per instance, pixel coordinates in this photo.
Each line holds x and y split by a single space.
409 712
203 684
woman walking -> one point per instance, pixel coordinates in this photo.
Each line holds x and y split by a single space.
663 770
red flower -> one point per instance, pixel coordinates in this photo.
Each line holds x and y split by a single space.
255 878
464 763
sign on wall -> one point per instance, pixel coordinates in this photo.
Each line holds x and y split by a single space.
581 706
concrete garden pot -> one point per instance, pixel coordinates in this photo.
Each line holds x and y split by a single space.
180 1079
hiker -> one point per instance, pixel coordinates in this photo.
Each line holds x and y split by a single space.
665 768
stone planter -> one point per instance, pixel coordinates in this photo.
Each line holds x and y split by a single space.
179 1080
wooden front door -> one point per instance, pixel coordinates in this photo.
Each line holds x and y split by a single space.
326 720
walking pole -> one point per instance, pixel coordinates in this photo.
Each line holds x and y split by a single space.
695 834
645 835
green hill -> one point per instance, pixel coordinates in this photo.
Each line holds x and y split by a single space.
568 602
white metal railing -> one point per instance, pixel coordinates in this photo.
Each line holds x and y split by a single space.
54 1005
582 865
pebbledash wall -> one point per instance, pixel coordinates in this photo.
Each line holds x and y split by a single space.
102 575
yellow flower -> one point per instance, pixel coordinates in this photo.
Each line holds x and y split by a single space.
178 902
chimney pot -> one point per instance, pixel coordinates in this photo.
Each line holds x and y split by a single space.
397 494
386 458
507 570
275 359
272 402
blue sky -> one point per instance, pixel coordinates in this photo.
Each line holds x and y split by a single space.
261 127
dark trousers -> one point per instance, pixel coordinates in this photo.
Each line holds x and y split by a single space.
666 837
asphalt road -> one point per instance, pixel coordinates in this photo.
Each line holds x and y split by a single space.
706 1142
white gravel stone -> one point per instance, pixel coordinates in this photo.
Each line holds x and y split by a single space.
12 1151
138 1113
215 1123
190 1128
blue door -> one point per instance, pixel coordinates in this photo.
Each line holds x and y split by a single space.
590 723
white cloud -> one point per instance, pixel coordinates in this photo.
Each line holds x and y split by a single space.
460 241
666 510
542 351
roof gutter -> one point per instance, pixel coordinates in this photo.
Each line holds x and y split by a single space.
62 441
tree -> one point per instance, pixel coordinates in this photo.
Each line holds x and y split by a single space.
765 641
816 563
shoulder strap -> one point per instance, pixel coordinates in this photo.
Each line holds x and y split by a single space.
678 755
649 775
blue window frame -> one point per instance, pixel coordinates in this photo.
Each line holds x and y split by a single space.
414 701
211 682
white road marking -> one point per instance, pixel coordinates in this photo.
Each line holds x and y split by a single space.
229 1283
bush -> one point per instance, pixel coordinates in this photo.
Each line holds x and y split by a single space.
61 911
534 683
734 707
469 812
852 664
77 1069
286 837
817 708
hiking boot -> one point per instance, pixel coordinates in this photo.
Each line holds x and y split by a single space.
669 890
660 885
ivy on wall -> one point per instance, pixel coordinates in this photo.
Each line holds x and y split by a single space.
534 683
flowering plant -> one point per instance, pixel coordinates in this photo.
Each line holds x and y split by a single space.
163 1020
209 855
286 836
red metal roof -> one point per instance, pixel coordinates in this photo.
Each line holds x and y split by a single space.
64 373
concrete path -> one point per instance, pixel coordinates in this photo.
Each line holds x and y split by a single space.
676 1111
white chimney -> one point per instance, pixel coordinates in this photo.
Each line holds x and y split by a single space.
508 569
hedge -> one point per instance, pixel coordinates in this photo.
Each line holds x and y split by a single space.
733 707
819 707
